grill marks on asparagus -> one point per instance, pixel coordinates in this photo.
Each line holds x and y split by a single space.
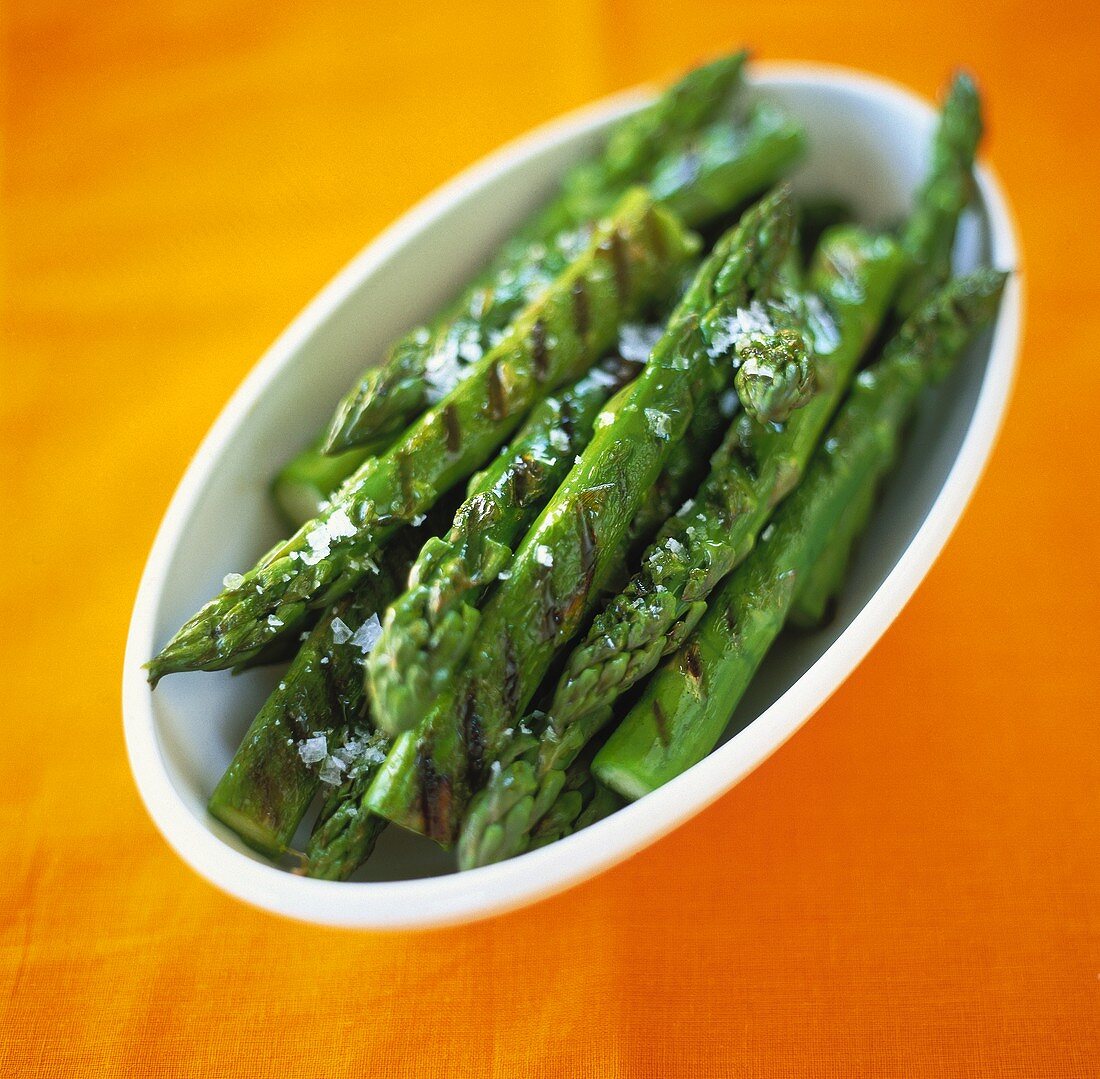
473 734
539 354
620 260
452 427
436 795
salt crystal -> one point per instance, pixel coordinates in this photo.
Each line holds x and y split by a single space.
274 622
543 555
419 519
340 631
332 771
674 545
233 580
660 423
636 341
313 750
338 525
604 419
366 636
559 439
504 575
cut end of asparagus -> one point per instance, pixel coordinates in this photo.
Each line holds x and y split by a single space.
626 782
255 834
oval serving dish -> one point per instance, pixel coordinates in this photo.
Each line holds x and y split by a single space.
868 143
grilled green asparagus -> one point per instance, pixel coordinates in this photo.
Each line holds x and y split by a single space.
634 260
854 276
427 630
927 239
567 555
687 705
315 710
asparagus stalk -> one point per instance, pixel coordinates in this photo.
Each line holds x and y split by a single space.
687 705
344 835
928 239
929 234
701 177
431 360
276 772
815 600
569 552
633 261
427 630
306 483
854 275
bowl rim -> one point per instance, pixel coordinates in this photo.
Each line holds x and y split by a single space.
495 889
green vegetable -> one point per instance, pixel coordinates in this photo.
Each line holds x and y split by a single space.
928 239
633 261
578 539
929 233
308 481
268 786
344 835
687 705
757 465
815 600
428 629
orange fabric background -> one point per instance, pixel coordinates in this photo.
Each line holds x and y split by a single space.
911 886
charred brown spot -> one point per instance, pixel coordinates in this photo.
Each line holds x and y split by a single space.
620 262
405 480
581 314
587 548
521 480
540 354
436 799
565 419
474 736
551 615
497 400
693 662
660 720
452 429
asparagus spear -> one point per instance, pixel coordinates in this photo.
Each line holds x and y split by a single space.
814 601
687 705
344 836
634 260
929 234
427 630
701 177
433 359
303 485
275 773
855 275
928 239
577 540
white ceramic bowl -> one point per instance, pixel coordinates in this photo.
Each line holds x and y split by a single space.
869 143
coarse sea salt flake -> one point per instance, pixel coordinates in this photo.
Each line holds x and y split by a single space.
660 423
233 580
559 439
273 621
340 631
332 771
338 525
313 750
366 636
543 555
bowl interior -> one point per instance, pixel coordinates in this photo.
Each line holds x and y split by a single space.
869 144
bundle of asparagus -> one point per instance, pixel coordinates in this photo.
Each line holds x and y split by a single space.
667 458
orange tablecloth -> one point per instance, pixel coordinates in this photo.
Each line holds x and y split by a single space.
911 886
